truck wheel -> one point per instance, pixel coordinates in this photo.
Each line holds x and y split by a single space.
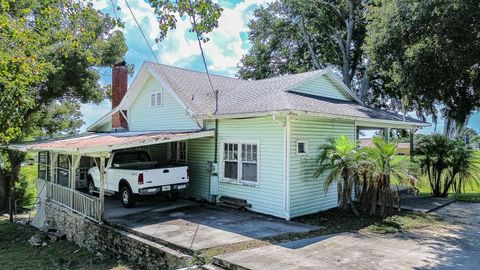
127 197
91 187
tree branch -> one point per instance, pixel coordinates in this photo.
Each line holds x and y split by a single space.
307 40
332 6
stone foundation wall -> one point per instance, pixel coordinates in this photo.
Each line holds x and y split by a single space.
100 237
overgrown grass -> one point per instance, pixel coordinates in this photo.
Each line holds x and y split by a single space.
17 253
403 222
29 174
335 221
471 193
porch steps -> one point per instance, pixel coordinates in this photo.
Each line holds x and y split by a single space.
234 203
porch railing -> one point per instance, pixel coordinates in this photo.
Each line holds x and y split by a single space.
83 204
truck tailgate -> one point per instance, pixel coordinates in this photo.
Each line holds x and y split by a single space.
165 176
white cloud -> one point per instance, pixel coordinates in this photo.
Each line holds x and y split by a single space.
92 112
223 51
180 48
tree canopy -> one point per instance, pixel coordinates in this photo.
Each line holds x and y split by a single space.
50 54
425 53
409 56
295 36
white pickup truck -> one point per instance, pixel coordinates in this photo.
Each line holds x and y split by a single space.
132 173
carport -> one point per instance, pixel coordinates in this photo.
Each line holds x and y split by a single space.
59 161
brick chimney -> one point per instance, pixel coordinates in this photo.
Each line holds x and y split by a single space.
119 88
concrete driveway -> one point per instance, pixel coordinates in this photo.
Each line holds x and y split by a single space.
191 226
453 246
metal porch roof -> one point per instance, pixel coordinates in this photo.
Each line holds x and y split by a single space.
100 144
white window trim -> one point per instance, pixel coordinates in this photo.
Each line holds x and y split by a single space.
155 93
305 147
239 170
169 152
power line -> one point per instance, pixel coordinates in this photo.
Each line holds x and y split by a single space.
141 30
215 93
148 44
114 9
194 25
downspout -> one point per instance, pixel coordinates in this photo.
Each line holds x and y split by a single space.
286 159
216 141
215 157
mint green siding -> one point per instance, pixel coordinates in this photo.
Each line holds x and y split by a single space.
170 116
105 128
307 193
199 153
267 196
158 152
324 87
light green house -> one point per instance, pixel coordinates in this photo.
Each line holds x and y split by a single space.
257 142
268 132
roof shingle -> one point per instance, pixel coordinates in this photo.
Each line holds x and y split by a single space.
237 96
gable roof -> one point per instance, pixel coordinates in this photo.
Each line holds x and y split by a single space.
238 96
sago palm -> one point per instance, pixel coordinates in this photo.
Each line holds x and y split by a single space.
339 159
378 190
464 169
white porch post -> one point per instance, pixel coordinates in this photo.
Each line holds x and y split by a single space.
53 166
412 144
74 162
73 170
102 188
387 134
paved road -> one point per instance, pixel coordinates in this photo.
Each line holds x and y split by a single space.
453 246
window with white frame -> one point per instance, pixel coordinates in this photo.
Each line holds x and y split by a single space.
302 148
177 151
156 99
240 162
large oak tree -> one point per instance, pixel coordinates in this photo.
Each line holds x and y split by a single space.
50 55
290 36
426 54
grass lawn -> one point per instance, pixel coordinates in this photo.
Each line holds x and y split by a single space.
17 253
471 194
30 172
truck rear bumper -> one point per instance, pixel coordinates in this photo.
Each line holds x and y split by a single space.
162 189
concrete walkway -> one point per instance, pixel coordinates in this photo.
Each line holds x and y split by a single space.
423 204
453 246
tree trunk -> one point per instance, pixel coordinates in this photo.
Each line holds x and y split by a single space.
4 190
15 159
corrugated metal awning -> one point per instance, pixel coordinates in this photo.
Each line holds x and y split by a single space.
101 144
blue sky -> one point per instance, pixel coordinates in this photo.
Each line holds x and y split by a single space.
226 46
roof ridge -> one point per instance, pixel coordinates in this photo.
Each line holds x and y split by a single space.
235 78
196 71
287 75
